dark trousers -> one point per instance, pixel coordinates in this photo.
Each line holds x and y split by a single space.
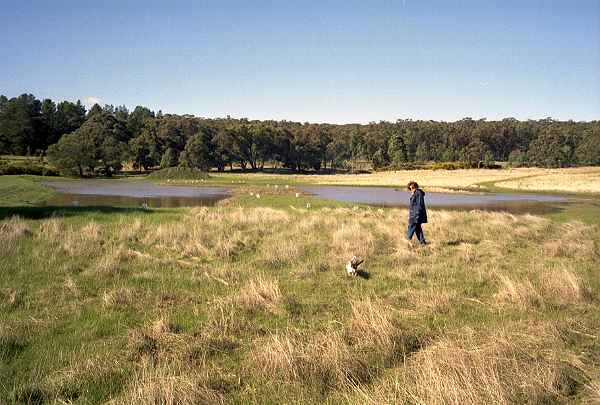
415 229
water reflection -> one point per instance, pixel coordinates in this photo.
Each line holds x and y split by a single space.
131 194
389 197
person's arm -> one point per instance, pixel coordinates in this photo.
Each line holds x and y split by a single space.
413 211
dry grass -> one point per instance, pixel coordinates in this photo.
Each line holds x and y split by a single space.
112 260
472 368
544 287
130 230
416 302
352 238
86 241
593 393
579 180
324 361
169 385
335 359
430 324
220 233
523 294
573 240
117 297
71 286
52 228
9 298
14 228
372 327
260 294
564 287
399 178
92 231
280 251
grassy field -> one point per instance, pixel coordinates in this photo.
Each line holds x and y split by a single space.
248 302
22 191
571 180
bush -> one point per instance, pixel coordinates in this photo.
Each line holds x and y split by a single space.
178 173
26 167
449 166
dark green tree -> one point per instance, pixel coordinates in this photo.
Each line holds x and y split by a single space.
169 159
197 154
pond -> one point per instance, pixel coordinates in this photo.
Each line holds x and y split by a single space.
390 197
121 193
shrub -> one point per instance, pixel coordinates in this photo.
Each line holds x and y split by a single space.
179 173
27 167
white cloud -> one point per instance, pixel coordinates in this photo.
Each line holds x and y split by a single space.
89 101
484 84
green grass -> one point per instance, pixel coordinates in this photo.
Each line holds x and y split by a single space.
192 305
22 190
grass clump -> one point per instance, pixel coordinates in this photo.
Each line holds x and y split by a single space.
503 367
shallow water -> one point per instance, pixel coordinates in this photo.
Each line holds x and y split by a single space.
121 193
389 197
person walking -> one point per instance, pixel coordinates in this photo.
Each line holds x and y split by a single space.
417 213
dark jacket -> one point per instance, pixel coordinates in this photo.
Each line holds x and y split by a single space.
417 213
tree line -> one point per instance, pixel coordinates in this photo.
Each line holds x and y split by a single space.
100 140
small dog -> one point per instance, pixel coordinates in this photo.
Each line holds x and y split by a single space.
352 266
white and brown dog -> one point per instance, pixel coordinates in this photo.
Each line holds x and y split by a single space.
352 266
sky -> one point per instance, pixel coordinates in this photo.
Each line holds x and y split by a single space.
316 61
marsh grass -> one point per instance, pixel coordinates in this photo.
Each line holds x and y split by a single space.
471 367
13 229
260 294
221 304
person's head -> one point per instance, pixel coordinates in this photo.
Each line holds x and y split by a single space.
412 186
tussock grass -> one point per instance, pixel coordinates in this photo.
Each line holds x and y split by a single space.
9 298
564 287
372 327
278 252
225 324
112 260
129 230
14 228
326 361
118 297
352 239
544 287
593 389
573 240
92 231
71 286
520 293
52 228
260 294
168 385
502 368
416 302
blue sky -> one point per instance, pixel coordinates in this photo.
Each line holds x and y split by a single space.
319 61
